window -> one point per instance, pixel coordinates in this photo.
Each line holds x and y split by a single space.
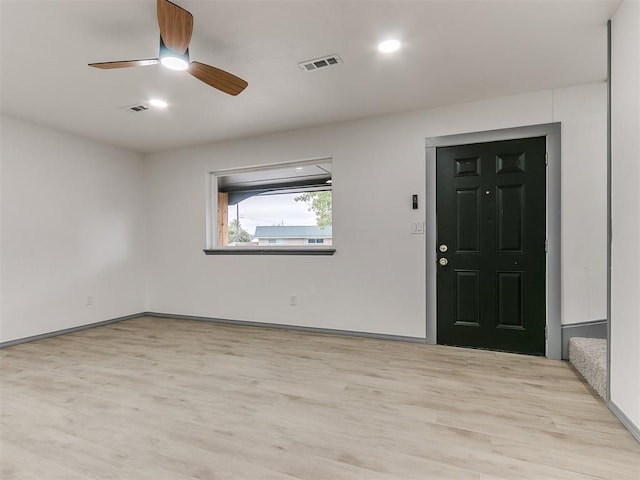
287 205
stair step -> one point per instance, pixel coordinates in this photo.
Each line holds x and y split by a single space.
589 357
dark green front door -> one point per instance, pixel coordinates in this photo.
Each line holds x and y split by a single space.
491 221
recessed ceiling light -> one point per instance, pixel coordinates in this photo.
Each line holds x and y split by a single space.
388 46
156 102
299 168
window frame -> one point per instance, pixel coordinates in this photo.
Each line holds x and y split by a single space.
212 246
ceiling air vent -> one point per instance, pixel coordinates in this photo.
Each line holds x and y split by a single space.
138 107
318 63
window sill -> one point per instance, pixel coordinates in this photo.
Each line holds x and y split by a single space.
270 251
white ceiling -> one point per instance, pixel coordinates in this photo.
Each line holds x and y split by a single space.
454 51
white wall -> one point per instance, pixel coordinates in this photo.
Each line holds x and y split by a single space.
74 223
625 247
378 163
1 216
72 226
582 111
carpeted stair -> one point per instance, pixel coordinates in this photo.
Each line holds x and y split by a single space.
589 357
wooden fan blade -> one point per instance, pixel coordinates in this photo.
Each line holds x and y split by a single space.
176 26
217 78
126 63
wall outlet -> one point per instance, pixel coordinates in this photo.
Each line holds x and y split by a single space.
89 300
293 300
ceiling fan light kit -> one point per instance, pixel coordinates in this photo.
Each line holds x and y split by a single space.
176 26
173 60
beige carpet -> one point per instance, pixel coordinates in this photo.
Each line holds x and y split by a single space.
589 357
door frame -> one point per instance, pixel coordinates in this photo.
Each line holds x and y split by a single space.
551 131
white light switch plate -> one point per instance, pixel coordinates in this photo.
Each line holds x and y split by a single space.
417 228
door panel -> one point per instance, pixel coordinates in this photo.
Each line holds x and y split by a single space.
467 297
468 220
510 299
491 216
511 218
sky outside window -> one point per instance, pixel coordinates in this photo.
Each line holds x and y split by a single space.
267 210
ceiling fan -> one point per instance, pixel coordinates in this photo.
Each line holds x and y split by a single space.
176 26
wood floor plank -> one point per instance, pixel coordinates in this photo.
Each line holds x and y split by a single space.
182 400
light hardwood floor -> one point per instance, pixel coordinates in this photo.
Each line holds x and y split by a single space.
175 399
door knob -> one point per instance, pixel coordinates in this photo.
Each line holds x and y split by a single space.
443 248
443 261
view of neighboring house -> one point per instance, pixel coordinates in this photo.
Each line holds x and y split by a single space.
293 235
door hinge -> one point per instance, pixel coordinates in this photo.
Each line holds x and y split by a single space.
546 158
546 246
546 332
